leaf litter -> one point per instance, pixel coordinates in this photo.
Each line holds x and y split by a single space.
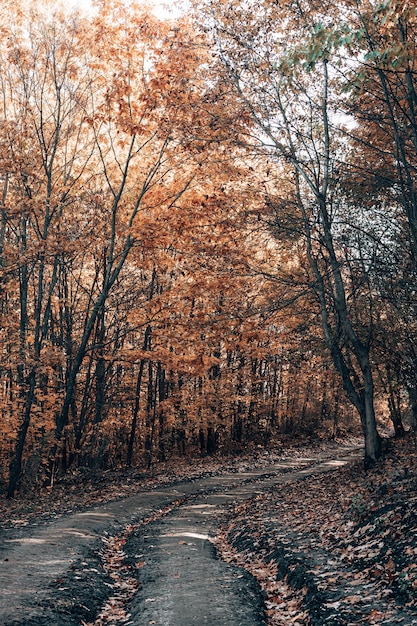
336 549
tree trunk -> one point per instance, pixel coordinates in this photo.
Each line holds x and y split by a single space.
362 400
16 463
134 423
373 443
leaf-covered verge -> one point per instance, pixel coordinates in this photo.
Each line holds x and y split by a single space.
335 549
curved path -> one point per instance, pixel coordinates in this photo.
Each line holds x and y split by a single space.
58 574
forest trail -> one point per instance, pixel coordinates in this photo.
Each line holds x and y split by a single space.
144 559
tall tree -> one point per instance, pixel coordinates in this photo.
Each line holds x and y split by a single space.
287 88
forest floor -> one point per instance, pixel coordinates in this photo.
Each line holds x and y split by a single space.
335 548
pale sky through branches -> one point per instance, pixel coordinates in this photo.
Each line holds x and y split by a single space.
161 9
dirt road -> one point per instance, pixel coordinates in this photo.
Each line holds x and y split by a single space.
147 559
